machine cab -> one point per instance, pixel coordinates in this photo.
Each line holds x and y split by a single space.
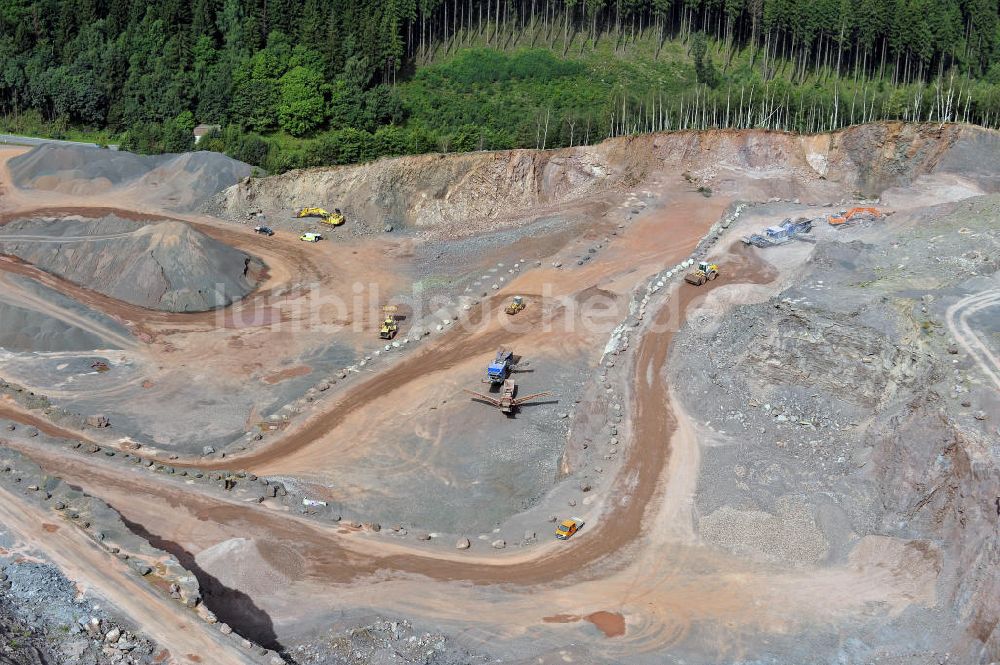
497 371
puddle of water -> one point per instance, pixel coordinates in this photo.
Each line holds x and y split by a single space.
611 624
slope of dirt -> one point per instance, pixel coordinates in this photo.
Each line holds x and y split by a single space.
162 265
465 193
38 319
177 182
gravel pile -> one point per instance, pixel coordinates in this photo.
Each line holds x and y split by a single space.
163 265
383 641
791 535
44 620
178 182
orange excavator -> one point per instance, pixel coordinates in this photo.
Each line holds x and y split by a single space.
845 217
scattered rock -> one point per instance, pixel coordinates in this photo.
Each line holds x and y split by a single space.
499 544
98 421
463 544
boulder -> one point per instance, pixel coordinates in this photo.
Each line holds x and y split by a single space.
463 544
499 544
98 421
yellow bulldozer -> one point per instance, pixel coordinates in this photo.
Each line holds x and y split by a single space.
515 306
706 272
389 326
336 218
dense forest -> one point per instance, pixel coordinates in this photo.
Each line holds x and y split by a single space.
310 82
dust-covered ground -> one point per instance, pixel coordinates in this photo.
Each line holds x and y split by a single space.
795 462
840 417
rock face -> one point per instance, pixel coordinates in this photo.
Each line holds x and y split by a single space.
156 264
432 191
842 433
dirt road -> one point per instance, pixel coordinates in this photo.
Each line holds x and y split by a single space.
636 485
188 639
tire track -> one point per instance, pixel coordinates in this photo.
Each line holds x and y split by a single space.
958 324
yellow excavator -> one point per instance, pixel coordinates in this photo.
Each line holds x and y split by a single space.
336 218
389 326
